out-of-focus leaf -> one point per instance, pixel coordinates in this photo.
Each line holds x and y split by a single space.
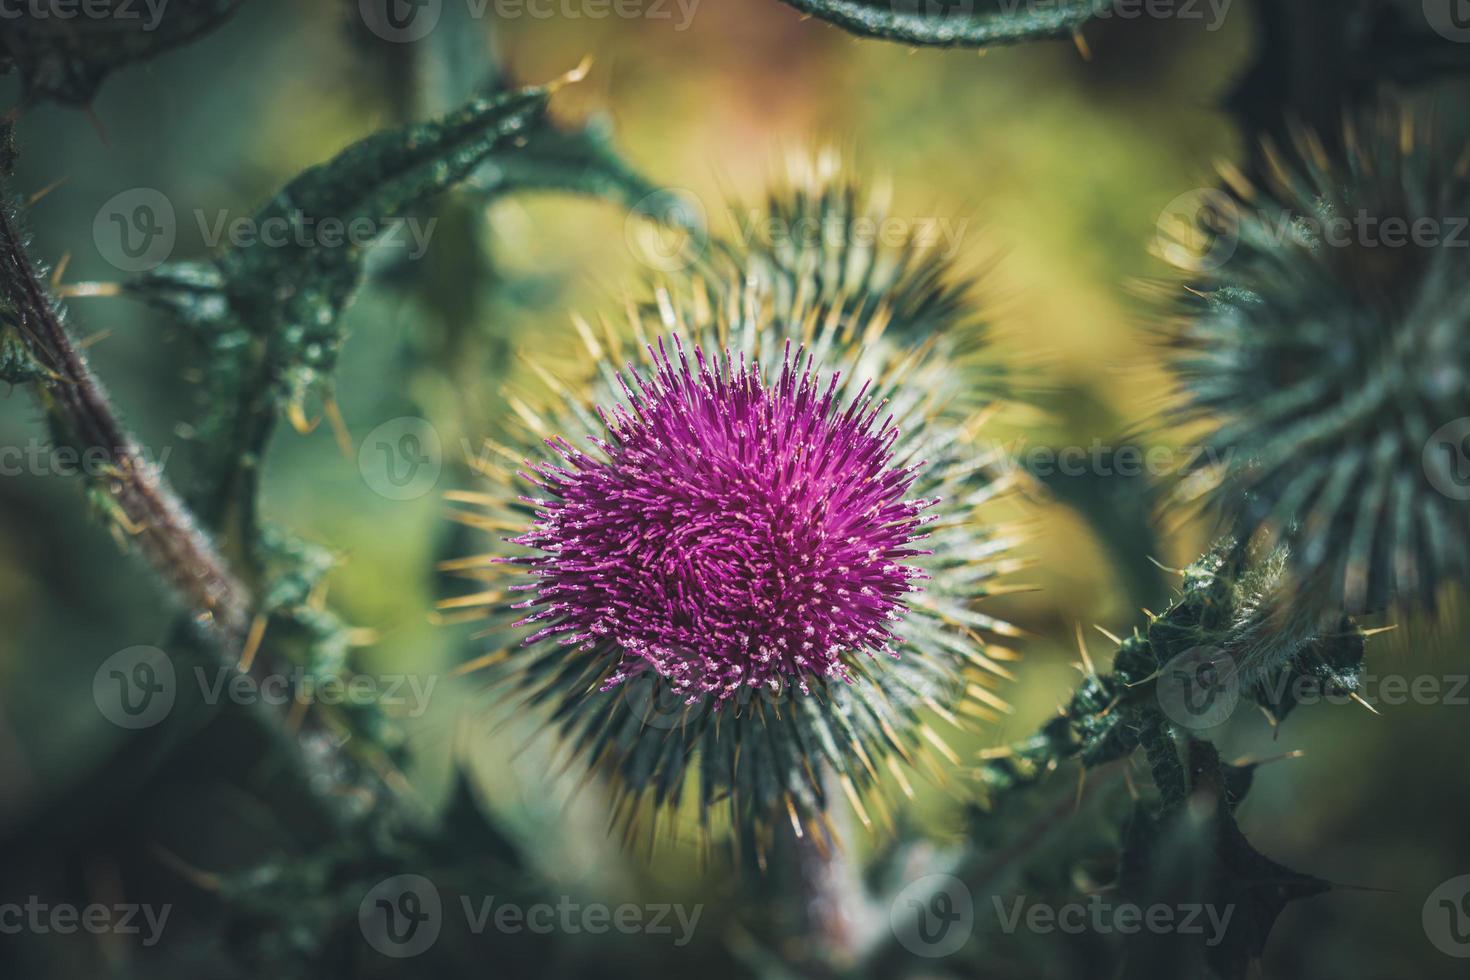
66 58
949 24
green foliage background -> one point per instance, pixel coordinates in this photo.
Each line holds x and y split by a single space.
1060 166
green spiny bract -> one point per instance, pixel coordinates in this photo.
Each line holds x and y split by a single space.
771 755
1329 353
1185 831
823 231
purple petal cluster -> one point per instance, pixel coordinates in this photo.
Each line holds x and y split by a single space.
727 531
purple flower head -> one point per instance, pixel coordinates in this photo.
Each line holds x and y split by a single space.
728 531
749 576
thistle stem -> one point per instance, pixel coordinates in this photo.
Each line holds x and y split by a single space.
832 891
149 511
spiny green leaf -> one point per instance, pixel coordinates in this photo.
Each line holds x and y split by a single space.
66 59
939 23
266 311
1191 852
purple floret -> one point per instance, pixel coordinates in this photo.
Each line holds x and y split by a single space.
728 532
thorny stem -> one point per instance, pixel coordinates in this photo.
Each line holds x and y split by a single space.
148 509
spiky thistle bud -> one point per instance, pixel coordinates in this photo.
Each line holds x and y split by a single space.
751 560
1330 353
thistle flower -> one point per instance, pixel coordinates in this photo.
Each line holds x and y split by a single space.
751 561
1330 353
729 533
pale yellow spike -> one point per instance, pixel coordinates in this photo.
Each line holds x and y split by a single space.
899 777
485 469
547 378
1160 565
252 642
584 331
1283 757
1108 634
527 415
572 77
466 601
1358 698
893 740
939 743
472 497
972 710
988 664
296 415
942 712
857 803
1087 665
89 289
989 697
791 812
1237 181
487 562
484 522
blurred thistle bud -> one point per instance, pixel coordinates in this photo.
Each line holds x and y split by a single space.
747 568
1329 352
